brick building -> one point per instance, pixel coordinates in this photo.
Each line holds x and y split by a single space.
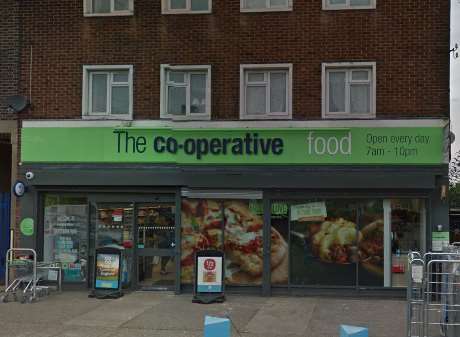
9 81
306 139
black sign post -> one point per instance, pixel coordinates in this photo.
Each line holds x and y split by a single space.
209 277
107 273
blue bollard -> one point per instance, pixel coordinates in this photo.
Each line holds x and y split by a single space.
353 331
216 327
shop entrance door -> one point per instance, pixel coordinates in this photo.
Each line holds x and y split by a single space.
114 228
156 242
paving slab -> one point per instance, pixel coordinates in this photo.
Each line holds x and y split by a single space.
159 314
283 316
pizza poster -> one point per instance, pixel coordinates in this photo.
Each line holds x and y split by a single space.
107 271
209 274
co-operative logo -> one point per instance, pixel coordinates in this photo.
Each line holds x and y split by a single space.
329 145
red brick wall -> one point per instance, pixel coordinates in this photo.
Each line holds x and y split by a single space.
408 39
9 53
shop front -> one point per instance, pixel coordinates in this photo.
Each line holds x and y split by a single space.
296 209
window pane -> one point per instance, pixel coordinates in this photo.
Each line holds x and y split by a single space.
359 98
120 100
65 237
278 3
360 2
256 77
121 5
201 228
121 76
200 5
360 75
279 258
176 101
255 100
243 244
255 4
99 93
337 2
178 4
101 6
336 91
198 93
176 77
278 92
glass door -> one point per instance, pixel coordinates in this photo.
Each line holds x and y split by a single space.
114 228
156 266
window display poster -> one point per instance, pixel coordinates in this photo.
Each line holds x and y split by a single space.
107 271
209 274
309 211
440 240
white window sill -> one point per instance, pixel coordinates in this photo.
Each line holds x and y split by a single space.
265 117
349 116
256 10
127 13
185 12
187 118
344 8
108 117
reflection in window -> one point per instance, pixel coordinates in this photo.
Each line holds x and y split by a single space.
66 235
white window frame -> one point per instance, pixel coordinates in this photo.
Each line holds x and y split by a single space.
166 8
267 8
88 9
328 6
88 71
189 69
347 66
247 68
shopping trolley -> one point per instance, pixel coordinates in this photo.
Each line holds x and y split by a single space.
433 294
24 276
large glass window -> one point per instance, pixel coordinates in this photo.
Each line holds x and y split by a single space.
234 226
66 234
332 238
407 228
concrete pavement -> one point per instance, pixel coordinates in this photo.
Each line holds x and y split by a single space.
156 314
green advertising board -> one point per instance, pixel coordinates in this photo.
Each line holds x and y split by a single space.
239 146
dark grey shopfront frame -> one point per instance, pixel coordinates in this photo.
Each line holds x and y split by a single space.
276 182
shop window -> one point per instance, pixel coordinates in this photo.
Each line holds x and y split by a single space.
65 238
265 5
279 257
186 6
108 7
349 4
107 92
330 239
349 90
186 92
407 234
266 91
234 226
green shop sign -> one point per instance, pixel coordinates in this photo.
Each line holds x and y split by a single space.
405 145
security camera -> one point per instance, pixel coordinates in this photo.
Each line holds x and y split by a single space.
30 175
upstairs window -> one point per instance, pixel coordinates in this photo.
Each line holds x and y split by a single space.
349 4
107 92
265 5
349 90
265 91
186 92
186 6
108 7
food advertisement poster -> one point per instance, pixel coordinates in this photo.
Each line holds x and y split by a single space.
209 274
327 251
107 271
233 226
